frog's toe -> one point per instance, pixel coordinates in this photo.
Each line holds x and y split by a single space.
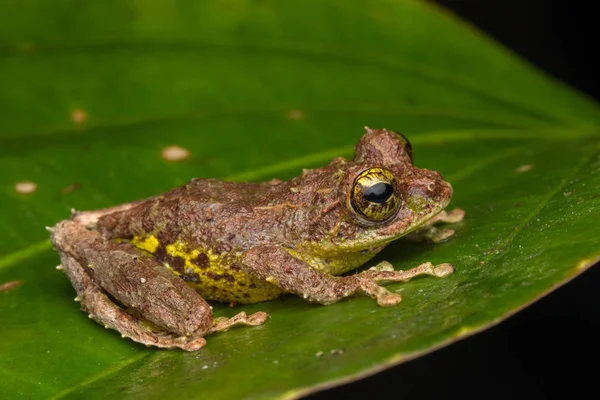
258 318
443 270
189 345
440 235
382 266
456 215
389 299
223 323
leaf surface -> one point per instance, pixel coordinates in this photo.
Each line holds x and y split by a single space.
91 92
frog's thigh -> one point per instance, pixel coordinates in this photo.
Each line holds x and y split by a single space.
107 313
135 280
90 218
275 265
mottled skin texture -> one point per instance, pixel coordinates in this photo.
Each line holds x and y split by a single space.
248 242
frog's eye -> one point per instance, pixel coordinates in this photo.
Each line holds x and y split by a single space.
406 144
373 194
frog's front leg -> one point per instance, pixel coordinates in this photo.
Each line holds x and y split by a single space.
276 265
161 310
428 232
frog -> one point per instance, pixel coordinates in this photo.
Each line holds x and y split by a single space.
148 268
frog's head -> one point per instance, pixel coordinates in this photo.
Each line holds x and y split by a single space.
383 195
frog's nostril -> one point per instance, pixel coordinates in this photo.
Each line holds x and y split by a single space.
428 188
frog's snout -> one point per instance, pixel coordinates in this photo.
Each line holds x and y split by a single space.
427 192
431 186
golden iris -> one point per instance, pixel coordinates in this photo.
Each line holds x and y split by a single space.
373 194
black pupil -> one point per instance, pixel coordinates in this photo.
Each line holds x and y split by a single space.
379 192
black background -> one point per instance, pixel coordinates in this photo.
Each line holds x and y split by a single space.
551 349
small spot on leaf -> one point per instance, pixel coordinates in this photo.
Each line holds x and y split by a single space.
27 47
78 116
296 114
5 287
175 153
524 168
25 187
71 188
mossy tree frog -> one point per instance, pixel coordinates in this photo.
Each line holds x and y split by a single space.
146 268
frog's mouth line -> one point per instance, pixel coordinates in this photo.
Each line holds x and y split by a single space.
355 245
416 226
432 214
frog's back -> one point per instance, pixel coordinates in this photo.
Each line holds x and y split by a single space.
199 231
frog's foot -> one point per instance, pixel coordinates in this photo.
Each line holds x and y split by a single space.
223 323
276 265
428 232
452 217
385 272
371 288
100 308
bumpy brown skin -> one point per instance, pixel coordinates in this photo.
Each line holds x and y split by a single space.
291 234
134 279
311 208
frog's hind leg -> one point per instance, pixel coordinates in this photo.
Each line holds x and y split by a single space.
103 310
223 323
174 315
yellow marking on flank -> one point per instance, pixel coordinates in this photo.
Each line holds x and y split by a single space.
218 280
150 243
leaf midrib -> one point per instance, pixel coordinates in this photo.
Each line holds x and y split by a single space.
11 259
493 118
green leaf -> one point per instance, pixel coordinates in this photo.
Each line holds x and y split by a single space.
92 91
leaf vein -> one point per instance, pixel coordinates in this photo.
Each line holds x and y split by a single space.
101 375
492 118
418 70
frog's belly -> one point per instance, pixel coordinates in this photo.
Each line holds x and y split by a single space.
215 277
222 283
335 264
